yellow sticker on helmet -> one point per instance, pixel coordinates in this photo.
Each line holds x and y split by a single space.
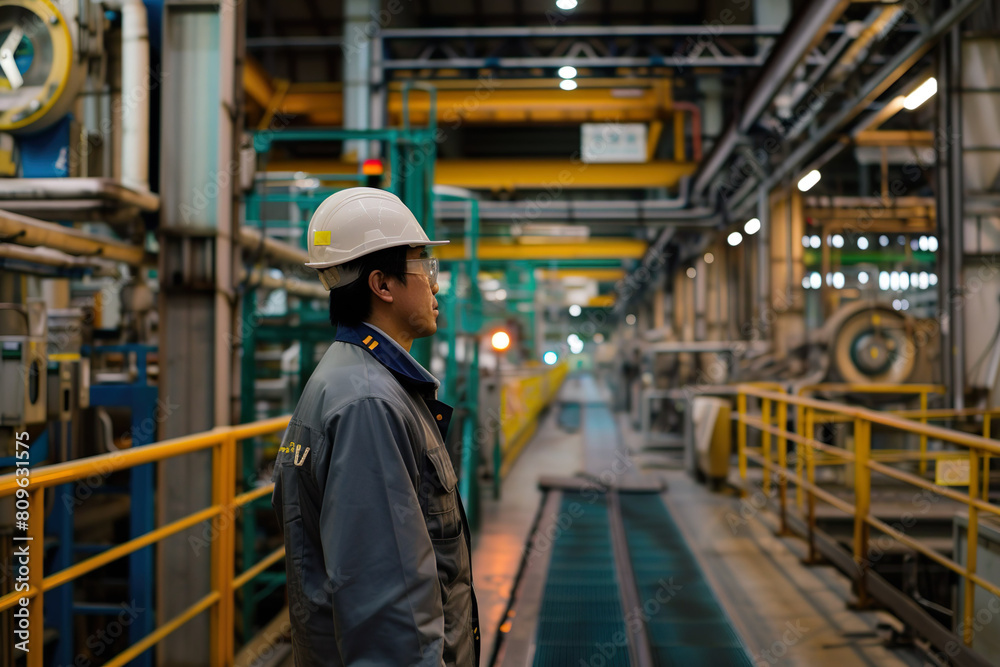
321 238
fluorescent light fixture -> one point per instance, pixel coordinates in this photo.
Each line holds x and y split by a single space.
904 304
932 279
566 5
883 281
691 272
567 84
735 239
829 278
567 71
932 243
838 280
807 182
923 280
815 241
815 280
894 281
904 280
862 243
896 304
752 226
575 310
550 358
838 241
863 277
920 95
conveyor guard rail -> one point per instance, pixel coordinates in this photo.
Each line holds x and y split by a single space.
772 422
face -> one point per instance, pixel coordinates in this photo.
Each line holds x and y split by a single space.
416 305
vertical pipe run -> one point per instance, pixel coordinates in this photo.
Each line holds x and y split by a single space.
135 95
764 262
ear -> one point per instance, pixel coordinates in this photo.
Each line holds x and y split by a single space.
378 283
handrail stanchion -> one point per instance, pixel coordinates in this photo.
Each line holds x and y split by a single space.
741 439
800 428
765 444
862 503
923 436
35 543
987 419
223 551
971 547
811 477
783 465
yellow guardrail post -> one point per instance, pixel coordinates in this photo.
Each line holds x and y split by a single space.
35 542
741 439
987 422
223 551
811 478
765 444
783 465
800 429
971 547
923 436
862 503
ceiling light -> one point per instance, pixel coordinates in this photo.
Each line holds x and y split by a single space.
752 226
932 279
894 281
550 358
567 84
575 310
838 241
883 240
863 278
838 280
904 280
932 243
862 243
922 243
567 71
500 341
921 94
691 272
896 304
805 241
709 258
923 280
735 239
815 280
809 180
814 241
566 5
805 282
883 281
630 319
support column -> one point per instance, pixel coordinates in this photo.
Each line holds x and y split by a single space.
360 26
201 116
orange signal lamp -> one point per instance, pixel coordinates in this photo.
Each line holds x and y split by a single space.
500 341
372 168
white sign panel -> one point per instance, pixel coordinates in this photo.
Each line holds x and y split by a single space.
613 142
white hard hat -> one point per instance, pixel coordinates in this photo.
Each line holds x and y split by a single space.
355 222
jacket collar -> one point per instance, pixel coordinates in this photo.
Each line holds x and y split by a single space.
389 353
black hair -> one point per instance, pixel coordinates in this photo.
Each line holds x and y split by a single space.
351 304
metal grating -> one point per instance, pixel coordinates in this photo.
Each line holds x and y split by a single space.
581 619
685 623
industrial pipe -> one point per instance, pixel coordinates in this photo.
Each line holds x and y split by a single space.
293 286
135 95
695 112
251 238
50 257
809 29
27 231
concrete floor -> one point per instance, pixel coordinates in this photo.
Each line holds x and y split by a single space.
786 613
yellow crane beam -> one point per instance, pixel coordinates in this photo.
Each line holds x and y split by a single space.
603 248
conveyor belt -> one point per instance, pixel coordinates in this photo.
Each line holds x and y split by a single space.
610 580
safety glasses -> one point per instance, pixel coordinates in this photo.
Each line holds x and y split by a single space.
427 266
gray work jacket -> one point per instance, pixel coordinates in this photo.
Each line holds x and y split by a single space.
377 545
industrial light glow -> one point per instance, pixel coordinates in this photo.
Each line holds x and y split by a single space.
862 243
567 84
838 241
921 94
550 357
838 280
894 281
805 282
884 281
923 280
735 239
815 280
575 310
922 243
883 240
691 272
904 280
500 341
932 279
805 241
807 182
752 226
630 319
566 5
932 243
501 295
567 71
814 241
709 258
863 278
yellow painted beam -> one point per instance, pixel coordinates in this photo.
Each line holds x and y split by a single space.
487 100
604 248
513 174
601 275
257 83
894 138
550 174
602 301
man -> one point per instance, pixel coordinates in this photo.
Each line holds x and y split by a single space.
377 545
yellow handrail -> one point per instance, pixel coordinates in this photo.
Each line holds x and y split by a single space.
222 512
863 461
